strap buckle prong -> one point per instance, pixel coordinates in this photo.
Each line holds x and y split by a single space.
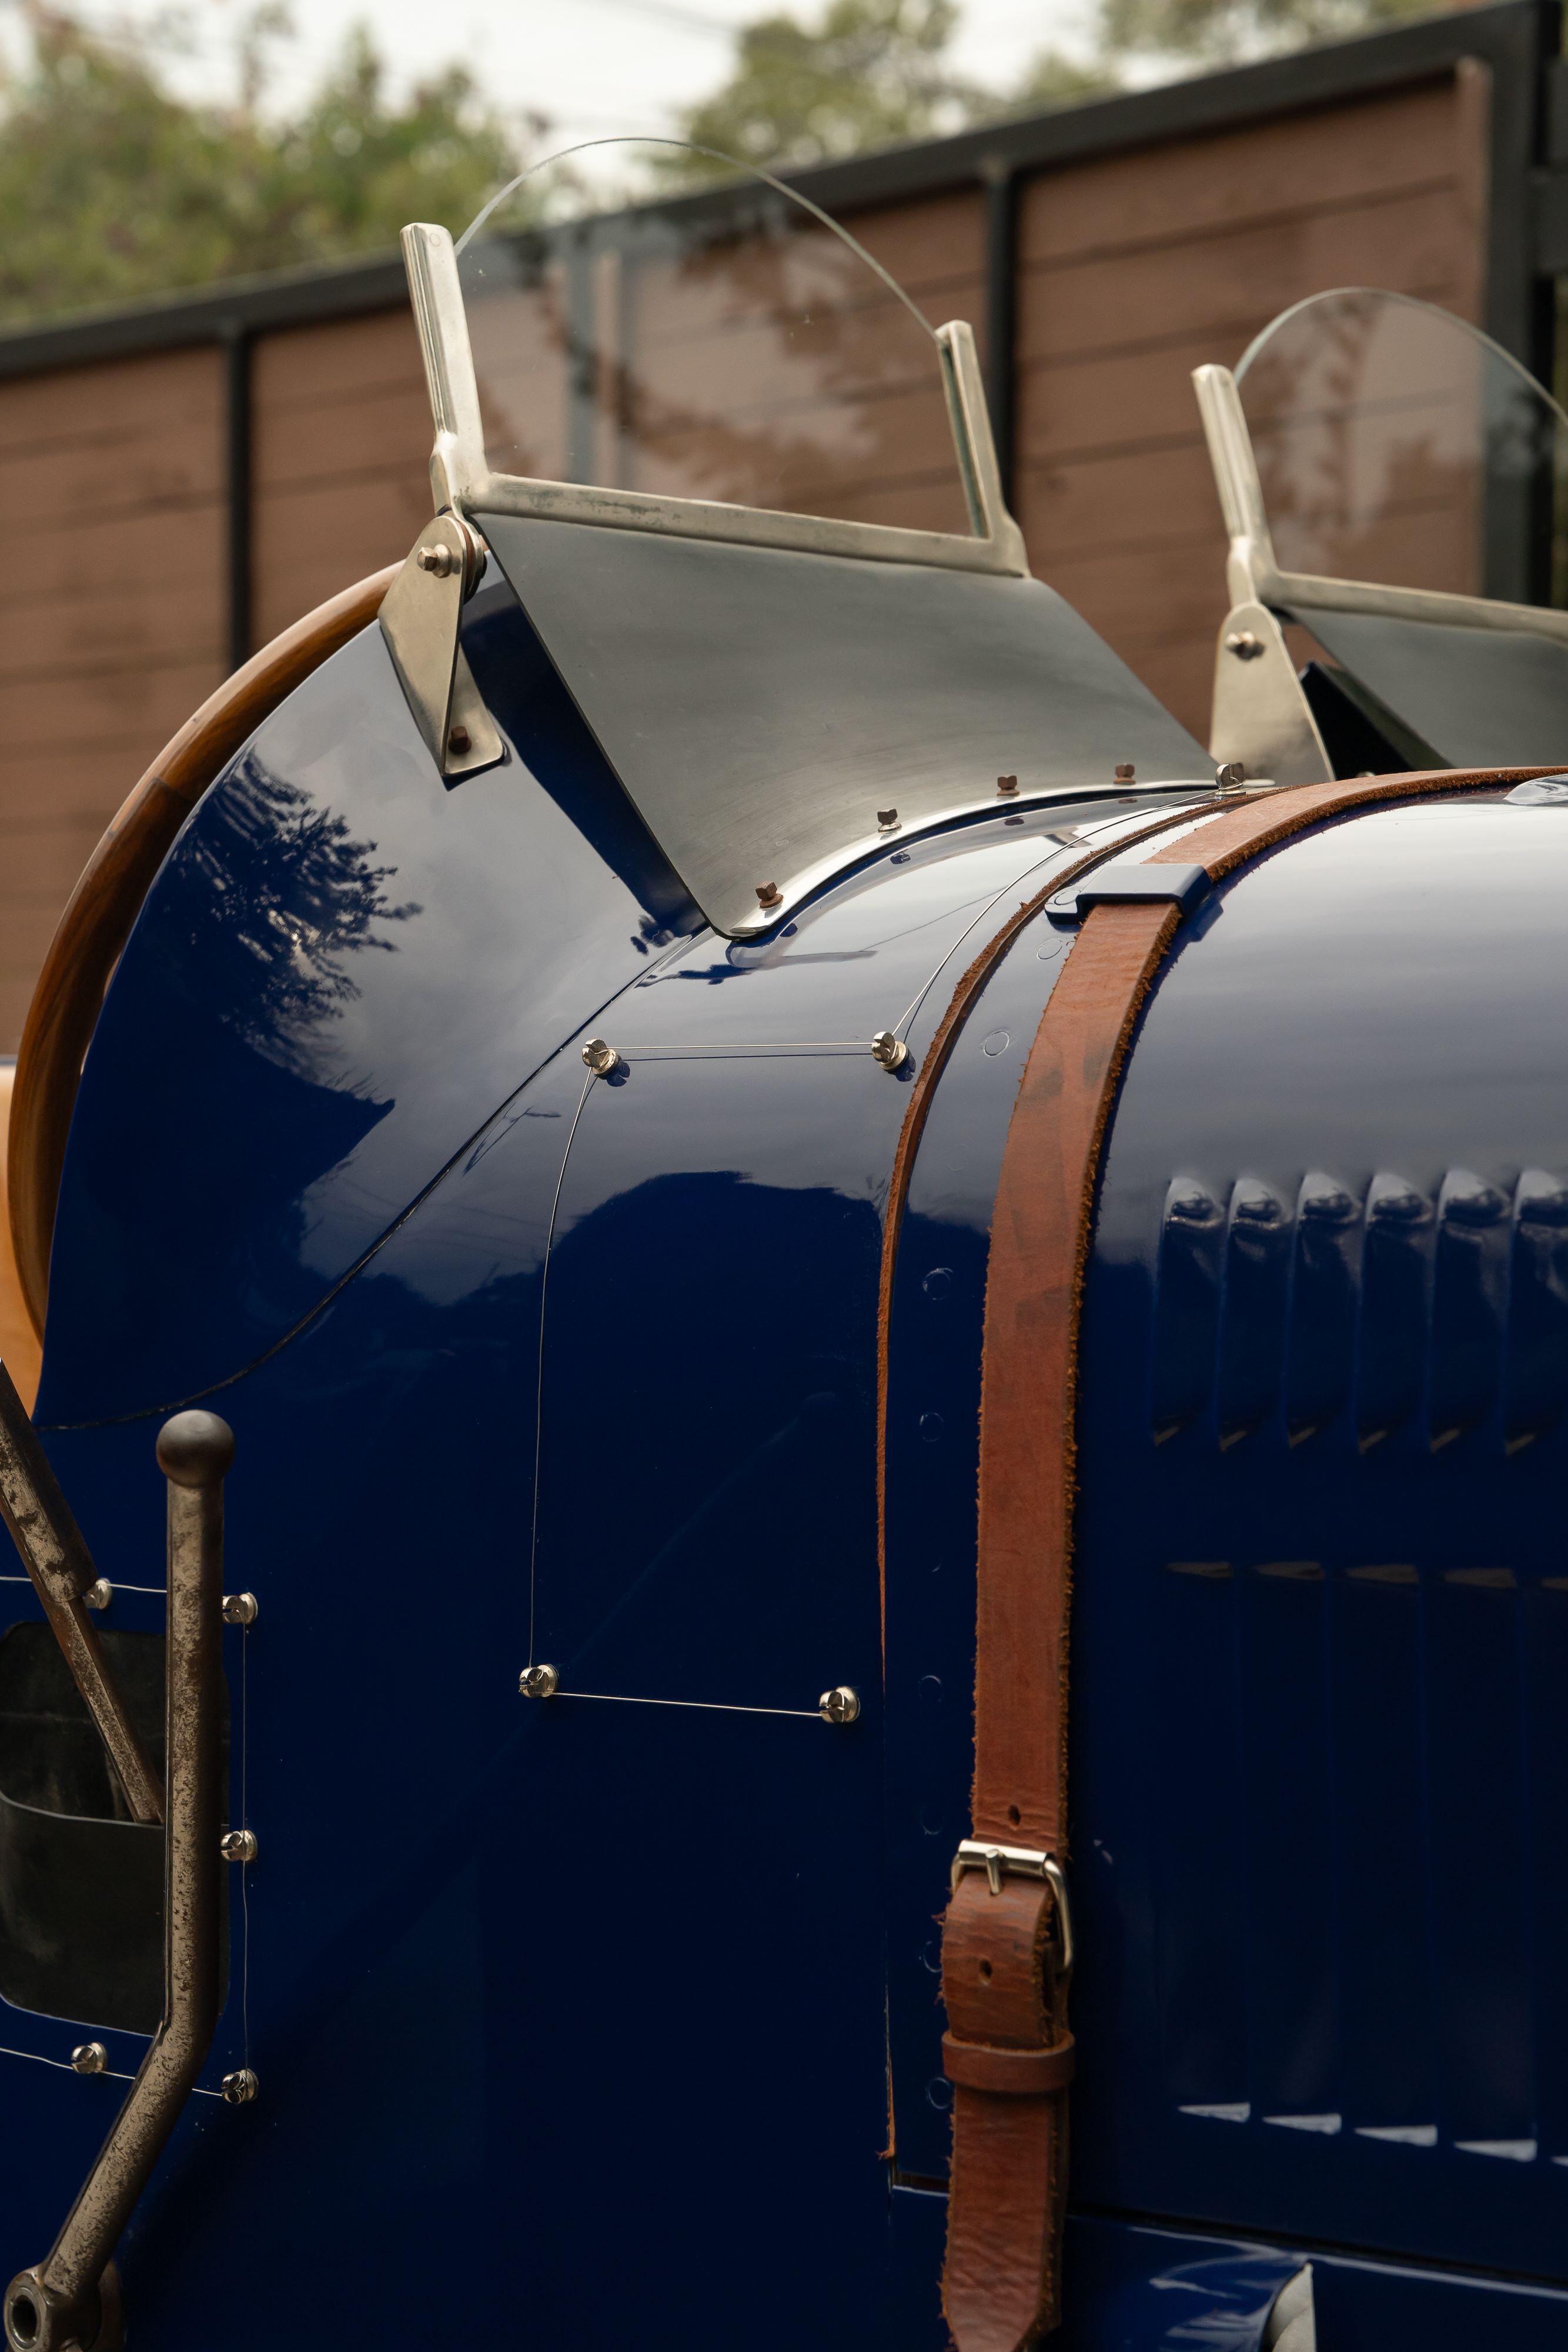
999 1861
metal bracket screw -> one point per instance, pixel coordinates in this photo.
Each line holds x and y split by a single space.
90 2058
241 1608
238 1845
1007 786
1245 644
1230 778
601 1058
839 1704
891 1052
768 894
99 1594
439 559
887 821
240 2087
538 1682
1126 772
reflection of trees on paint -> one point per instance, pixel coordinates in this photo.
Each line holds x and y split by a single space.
278 898
1382 435
772 369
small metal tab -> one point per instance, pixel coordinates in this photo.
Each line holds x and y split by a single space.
601 1058
241 1608
999 1861
538 1682
890 1051
839 1704
238 1845
99 1594
240 2087
90 2058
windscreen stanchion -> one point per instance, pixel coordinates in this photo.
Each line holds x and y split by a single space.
72 2298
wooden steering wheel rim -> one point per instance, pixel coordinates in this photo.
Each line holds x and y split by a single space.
97 921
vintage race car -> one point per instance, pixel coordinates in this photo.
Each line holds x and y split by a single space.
737 1135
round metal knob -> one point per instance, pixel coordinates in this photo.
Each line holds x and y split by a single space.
890 1051
195 1449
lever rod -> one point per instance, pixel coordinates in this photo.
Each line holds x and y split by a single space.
67 2304
56 1557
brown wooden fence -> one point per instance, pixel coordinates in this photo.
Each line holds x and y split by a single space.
185 479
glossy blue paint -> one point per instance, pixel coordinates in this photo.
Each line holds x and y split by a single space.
341 970
1322 1617
495 1945
522 1364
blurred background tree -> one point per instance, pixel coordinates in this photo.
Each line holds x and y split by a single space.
111 185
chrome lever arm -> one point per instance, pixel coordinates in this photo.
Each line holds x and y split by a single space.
56 1558
63 2304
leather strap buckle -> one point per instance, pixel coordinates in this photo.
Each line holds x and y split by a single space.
999 1861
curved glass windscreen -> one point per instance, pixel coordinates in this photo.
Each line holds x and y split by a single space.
752 353
1396 444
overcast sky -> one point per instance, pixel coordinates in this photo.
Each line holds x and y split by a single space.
593 67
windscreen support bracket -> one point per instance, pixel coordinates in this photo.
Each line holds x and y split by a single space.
420 616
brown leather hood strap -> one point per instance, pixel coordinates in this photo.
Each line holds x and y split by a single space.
1007 1940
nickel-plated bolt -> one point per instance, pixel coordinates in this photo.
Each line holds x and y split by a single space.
99 1594
1245 644
768 894
238 1845
538 1682
438 559
890 1051
1231 777
90 2058
839 1704
888 820
600 1057
1007 785
241 1608
240 2087
459 740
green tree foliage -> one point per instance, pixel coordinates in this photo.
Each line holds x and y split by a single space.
868 72
110 186
871 72
1226 32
